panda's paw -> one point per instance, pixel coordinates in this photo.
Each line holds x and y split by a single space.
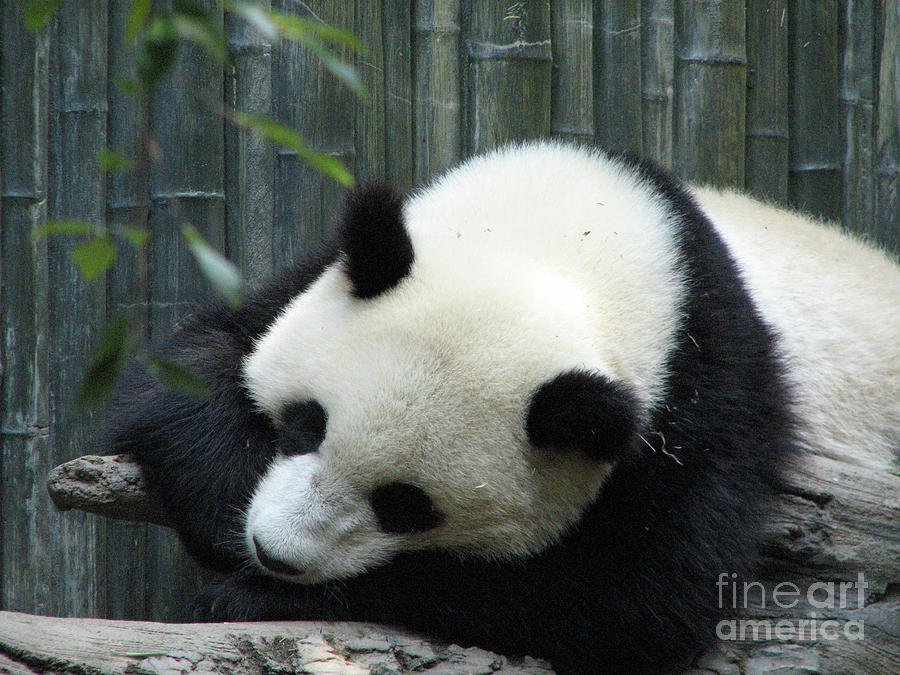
228 600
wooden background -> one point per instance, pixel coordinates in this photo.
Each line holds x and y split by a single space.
796 100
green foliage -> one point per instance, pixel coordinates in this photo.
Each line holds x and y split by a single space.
38 12
178 377
156 31
114 161
157 49
94 256
138 14
101 376
138 236
288 138
193 24
64 226
315 35
218 270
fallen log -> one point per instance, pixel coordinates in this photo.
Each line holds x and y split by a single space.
835 524
30 644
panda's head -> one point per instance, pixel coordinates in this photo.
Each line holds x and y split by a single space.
427 395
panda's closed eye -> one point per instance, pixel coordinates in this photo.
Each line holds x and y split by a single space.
403 508
302 428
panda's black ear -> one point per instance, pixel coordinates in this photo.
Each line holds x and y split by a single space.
378 250
580 410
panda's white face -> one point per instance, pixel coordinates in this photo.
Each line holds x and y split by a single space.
404 379
403 423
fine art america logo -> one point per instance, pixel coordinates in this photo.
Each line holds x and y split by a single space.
820 596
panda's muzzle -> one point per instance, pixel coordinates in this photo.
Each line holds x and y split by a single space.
273 564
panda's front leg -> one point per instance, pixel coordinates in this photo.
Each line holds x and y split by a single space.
251 597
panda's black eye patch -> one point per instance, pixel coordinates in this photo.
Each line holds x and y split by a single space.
403 508
302 428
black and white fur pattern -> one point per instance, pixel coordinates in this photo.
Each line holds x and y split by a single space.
540 406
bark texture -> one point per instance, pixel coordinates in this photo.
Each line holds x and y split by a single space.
836 523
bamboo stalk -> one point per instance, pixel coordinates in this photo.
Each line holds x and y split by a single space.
127 205
710 91
397 37
657 78
617 75
309 99
768 154
369 124
815 171
249 158
887 139
186 186
77 133
572 84
27 581
857 113
507 79
437 122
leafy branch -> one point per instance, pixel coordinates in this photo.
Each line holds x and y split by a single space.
155 35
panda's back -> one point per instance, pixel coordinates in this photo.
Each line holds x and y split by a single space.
833 301
557 211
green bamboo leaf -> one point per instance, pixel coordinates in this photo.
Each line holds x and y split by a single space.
63 226
311 33
329 165
128 85
94 256
178 377
100 379
342 70
38 12
221 273
256 16
190 8
314 34
113 161
138 14
138 236
271 129
288 138
156 53
300 29
203 31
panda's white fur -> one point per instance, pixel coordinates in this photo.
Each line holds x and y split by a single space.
835 303
528 262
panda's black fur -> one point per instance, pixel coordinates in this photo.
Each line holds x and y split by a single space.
632 587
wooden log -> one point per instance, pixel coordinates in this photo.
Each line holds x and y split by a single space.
834 522
110 486
30 644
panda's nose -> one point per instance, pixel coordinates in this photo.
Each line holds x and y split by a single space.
274 564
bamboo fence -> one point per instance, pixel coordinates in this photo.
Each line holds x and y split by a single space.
798 101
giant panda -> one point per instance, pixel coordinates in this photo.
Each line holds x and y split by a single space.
538 406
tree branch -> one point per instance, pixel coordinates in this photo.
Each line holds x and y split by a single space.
834 522
110 486
30 644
